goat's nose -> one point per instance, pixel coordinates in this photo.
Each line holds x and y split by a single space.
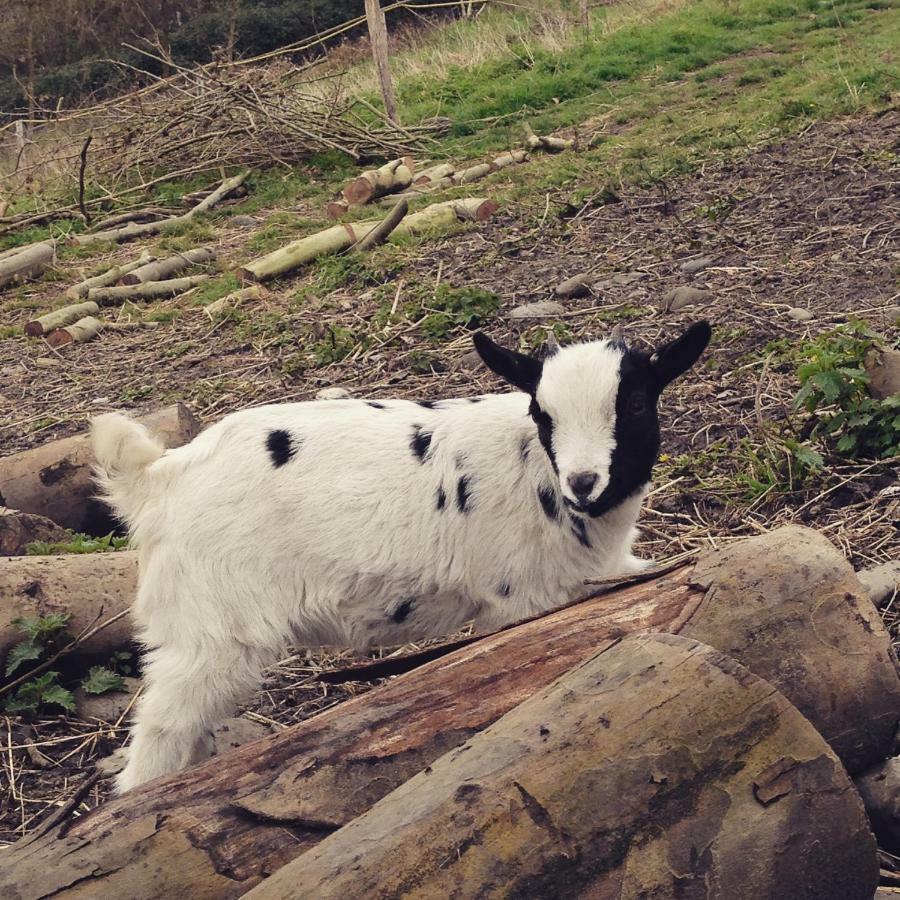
582 483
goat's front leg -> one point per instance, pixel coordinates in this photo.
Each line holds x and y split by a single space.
188 691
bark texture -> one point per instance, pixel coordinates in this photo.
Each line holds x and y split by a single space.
54 480
658 768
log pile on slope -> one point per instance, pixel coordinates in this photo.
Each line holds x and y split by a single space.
687 730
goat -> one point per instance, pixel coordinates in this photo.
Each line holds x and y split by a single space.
352 522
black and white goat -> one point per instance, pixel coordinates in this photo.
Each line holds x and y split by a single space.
354 522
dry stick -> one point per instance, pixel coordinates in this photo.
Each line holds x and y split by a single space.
126 232
149 290
380 234
79 332
136 215
109 277
59 318
84 150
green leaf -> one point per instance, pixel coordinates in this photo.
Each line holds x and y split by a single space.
59 696
830 384
26 651
42 627
847 443
809 457
99 680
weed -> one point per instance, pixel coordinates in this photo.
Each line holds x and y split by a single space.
834 388
423 363
130 394
337 344
453 307
215 289
79 543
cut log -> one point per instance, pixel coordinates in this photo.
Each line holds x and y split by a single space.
27 263
54 480
658 768
77 291
390 178
234 299
434 173
340 237
165 268
92 587
334 209
135 230
18 529
65 315
234 820
149 290
546 142
79 332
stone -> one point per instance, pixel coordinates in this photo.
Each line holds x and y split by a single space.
880 791
697 264
883 367
798 314
471 360
18 529
236 732
881 582
108 707
540 310
684 296
333 393
576 286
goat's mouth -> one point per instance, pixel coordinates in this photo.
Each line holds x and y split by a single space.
581 507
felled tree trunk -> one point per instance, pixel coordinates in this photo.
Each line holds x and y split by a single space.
91 587
59 318
26 263
54 480
149 290
18 530
79 332
341 237
391 177
658 768
165 268
111 276
236 819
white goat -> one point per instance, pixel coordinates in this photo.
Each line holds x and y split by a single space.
351 522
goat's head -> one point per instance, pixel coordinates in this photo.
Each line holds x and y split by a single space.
594 405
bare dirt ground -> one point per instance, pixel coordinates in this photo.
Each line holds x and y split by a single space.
811 223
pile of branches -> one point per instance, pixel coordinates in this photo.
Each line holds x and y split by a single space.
205 119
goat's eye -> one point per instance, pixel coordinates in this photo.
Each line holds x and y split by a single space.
637 404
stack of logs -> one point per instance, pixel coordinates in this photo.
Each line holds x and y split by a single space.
693 733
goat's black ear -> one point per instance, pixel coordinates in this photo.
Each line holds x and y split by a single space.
676 357
519 370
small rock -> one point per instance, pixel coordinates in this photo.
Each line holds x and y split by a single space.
798 314
333 393
879 788
684 296
881 582
470 360
17 529
244 221
44 362
576 286
883 367
235 732
541 310
697 264
107 707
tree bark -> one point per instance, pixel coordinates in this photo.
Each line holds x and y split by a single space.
234 820
165 268
66 315
92 587
54 480
341 237
391 177
28 262
148 290
657 768
77 291
79 332
379 40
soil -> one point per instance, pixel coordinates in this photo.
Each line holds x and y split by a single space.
811 223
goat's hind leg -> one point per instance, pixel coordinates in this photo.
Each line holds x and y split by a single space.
189 688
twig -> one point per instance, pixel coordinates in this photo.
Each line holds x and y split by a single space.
84 151
63 812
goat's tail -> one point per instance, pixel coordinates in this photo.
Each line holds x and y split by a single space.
124 450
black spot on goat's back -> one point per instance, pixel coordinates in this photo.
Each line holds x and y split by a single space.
401 613
420 442
441 498
547 496
427 404
281 446
374 404
463 493
475 399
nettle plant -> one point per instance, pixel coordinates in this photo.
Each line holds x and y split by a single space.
834 388
46 639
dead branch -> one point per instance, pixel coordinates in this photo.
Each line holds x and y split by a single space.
149 290
164 268
380 234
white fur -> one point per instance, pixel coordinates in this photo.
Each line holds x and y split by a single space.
238 557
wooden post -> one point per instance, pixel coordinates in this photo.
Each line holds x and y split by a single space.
378 37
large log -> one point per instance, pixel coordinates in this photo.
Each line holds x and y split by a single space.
392 176
54 480
26 262
59 318
92 587
166 268
111 276
18 530
216 830
658 768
